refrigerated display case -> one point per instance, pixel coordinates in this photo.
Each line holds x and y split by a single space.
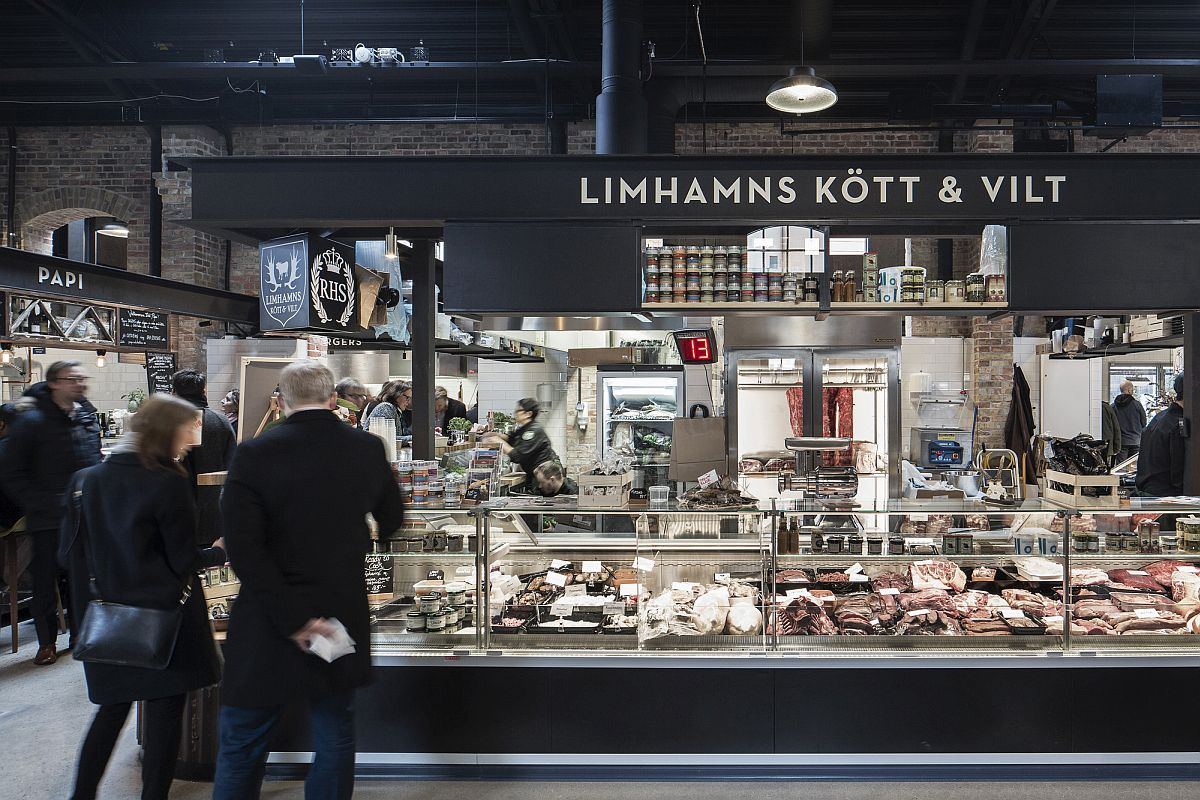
639 404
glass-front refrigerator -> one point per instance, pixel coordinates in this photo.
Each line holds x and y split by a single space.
638 407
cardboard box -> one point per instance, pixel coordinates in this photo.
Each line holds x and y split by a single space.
698 446
605 491
595 356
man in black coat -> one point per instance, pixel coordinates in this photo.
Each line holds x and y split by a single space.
217 443
297 536
1164 442
446 408
47 445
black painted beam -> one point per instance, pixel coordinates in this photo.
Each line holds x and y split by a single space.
424 351
1191 396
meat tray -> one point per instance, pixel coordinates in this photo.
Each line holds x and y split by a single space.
1003 580
521 612
1036 628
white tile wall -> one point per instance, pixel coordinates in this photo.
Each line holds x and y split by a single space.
943 358
225 358
501 385
105 385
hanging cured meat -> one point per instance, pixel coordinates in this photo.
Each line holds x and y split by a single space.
837 419
795 401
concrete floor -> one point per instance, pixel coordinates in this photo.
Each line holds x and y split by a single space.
44 712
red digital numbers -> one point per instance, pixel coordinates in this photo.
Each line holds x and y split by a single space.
695 349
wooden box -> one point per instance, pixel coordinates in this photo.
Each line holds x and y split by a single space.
605 491
1109 496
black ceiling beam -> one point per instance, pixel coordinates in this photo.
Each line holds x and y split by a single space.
501 71
970 41
80 39
1037 14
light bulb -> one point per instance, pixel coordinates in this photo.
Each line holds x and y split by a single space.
101 360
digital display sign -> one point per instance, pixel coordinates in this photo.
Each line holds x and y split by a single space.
696 347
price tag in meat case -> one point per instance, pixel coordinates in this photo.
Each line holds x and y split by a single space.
575 589
593 566
1146 613
558 563
794 593
854 570
561 610
1012 613
889 590
631 589
1138 572
1187 568
643 564
721 577
1055 620
614 609
556 579
857 578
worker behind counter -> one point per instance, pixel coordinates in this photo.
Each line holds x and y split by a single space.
552 481
1161 460
528 446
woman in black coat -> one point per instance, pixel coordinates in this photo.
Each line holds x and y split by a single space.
131 525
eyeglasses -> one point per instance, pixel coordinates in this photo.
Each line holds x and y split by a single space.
406 396
80 379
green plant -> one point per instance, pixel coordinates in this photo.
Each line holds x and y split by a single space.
460 424
500 418
135 399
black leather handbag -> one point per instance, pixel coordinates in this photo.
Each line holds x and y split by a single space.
112 633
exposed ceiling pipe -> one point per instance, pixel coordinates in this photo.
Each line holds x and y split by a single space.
620 106
666 97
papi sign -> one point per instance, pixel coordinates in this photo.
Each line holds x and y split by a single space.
306 282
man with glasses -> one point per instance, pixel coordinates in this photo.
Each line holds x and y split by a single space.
352 396
48 444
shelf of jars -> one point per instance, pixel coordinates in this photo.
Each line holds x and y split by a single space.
736 280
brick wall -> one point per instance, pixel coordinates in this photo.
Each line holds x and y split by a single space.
991 377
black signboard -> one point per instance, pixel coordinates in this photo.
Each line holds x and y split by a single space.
306 282
143 329
248 193
378 573
159 369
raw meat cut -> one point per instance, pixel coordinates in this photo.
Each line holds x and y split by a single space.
1185 587
1165 620
986 627
837 420
1093 609
804 617
937 575
1132 579
795 401
935 599
793 576
1031 603
981 574
1088 577
1161 571
832 577
889 580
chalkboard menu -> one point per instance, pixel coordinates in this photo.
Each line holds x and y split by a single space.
143 329
159 369
378 574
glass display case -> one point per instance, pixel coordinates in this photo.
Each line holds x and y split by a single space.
795 578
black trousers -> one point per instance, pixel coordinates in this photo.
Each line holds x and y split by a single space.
1127 451
48 576
163 730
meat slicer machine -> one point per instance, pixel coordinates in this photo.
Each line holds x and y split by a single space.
814 479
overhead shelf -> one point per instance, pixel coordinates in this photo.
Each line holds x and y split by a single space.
448 347
1124 348
813 309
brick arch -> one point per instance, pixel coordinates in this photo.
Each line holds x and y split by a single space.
39 215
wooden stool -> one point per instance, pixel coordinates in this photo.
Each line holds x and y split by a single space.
10 536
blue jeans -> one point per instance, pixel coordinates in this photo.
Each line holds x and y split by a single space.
246 740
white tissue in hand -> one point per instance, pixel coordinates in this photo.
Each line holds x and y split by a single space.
332 647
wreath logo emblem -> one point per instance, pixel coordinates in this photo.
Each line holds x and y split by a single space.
338 289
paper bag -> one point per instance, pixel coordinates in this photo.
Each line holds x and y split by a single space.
698 446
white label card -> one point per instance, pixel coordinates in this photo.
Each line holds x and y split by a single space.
918 613
890 590
708 479
576 589
654 243
631 589
558 563
859 579
918 517
593 566
561 610
1052 620
682 586
643 564
1138 572
793 593
556 579
614 609
1146 613
721 577
1187 568
1012 613
854 570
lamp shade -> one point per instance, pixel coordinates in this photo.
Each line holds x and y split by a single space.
801 92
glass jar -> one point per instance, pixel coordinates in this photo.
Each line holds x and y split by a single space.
416 621
430 603
976 288
435 621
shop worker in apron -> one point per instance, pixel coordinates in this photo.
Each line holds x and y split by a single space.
527 446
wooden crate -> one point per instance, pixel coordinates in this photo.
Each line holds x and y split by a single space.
605 491
1109 498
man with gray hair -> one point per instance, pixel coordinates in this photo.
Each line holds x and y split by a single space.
297 536
352 396
1131 415
446 408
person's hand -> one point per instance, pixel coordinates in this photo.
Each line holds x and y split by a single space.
317 626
